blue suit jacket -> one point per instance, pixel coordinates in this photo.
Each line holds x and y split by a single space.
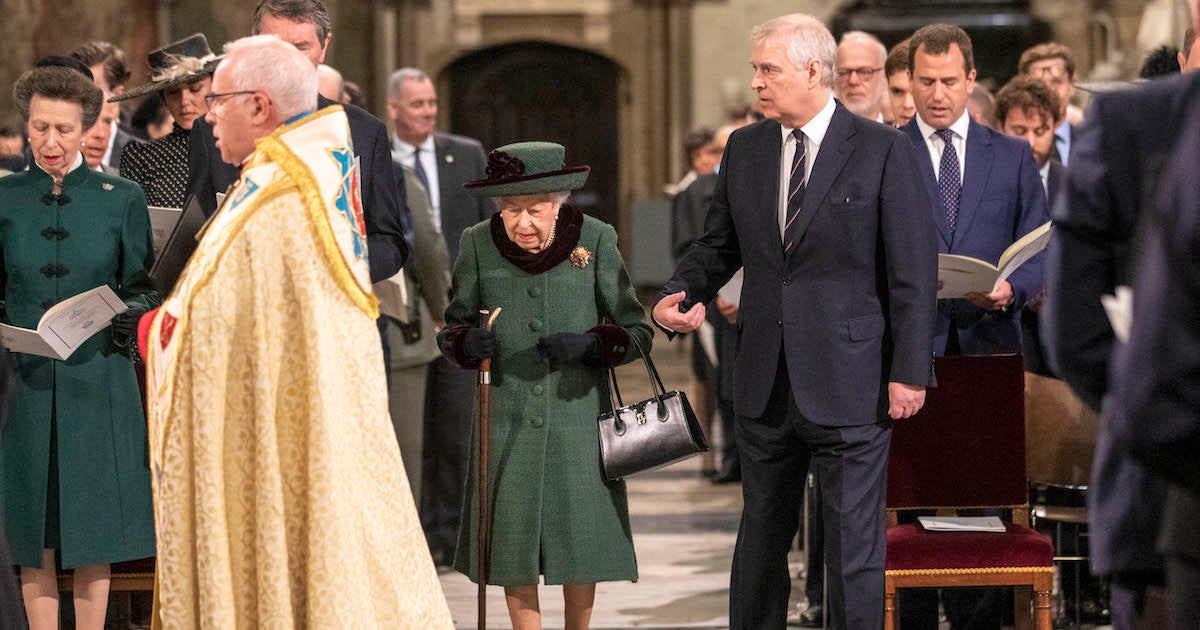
851 305
1002 200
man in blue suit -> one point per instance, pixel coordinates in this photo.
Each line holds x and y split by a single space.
984 189
825 211
986 193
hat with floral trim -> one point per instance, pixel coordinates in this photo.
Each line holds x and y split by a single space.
528 168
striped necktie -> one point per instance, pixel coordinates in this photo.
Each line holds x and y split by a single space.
796 182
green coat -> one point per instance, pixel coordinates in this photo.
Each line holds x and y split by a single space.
86 408
554 513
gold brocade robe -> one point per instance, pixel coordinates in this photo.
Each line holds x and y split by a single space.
280 497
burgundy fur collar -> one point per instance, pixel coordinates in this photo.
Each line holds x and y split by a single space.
566 237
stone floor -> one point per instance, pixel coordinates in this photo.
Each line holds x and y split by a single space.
684 530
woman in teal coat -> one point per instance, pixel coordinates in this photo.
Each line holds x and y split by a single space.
569 311
73 456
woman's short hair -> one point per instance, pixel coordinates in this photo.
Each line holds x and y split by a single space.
61 84
806 38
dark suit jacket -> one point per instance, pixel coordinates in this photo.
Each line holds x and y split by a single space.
459 160
120 139
1002 200
852 304
688 209
1159 386
1118 156
381 193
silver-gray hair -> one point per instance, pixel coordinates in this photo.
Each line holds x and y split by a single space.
559 198
267 63
806 39
397 79
867 39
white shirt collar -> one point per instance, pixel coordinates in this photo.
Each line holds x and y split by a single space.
816 128
959 127
408 149
77 163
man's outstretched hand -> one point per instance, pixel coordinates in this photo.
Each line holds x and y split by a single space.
667 314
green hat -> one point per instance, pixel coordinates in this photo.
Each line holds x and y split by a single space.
528 168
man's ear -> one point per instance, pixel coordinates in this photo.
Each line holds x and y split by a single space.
262 108
325 47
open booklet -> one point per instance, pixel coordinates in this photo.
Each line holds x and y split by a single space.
960 275
162 225
66 325
962 524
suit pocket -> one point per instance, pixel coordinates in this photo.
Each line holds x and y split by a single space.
846 202
865 328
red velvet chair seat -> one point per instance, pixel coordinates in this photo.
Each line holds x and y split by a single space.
911 546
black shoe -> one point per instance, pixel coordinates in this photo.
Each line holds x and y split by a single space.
729 476
813 617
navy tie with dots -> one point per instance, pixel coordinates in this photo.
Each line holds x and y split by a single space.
795 191
949 180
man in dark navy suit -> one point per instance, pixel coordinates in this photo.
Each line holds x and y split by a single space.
825 211
306 25
1121 153
985 194
1159 388
983 187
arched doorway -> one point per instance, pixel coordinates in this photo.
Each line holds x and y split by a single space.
539 91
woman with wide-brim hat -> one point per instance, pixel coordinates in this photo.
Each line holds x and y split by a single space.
569 313
182 74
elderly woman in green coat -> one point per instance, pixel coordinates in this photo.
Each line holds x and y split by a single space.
569 313
74 476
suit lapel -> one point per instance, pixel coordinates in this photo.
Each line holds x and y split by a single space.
445 171
831 157
975 178
929 176
766 165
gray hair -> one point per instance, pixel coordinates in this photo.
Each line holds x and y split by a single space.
806 39
867 39
396 81
267 63
559 198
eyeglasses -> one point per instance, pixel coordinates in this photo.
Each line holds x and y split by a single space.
214 98
863 73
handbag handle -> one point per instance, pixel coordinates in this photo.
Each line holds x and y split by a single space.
656 384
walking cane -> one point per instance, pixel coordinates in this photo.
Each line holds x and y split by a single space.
484 525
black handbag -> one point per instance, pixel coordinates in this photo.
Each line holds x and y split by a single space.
650 434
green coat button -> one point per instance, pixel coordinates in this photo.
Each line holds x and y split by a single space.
534 292
538 390
535 325
538 422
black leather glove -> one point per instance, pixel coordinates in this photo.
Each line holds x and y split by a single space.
562 349
125 329
481 344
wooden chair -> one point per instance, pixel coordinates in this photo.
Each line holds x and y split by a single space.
966 449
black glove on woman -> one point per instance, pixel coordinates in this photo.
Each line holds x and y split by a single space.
562 349
481 344
125 329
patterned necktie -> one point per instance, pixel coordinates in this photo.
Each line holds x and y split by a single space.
949 180
795 192
419 171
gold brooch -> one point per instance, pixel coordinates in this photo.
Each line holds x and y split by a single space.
580 257
106 186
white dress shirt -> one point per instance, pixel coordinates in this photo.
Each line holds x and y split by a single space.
405 153
814 134
1044 173
112 142
936 146
1062 141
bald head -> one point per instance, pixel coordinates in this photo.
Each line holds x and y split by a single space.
330 83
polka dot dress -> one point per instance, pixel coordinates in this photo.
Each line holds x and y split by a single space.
160 166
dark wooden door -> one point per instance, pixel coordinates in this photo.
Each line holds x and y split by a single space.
537 91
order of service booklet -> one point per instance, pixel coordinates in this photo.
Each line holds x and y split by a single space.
962 524
162 225
66 325
960 275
